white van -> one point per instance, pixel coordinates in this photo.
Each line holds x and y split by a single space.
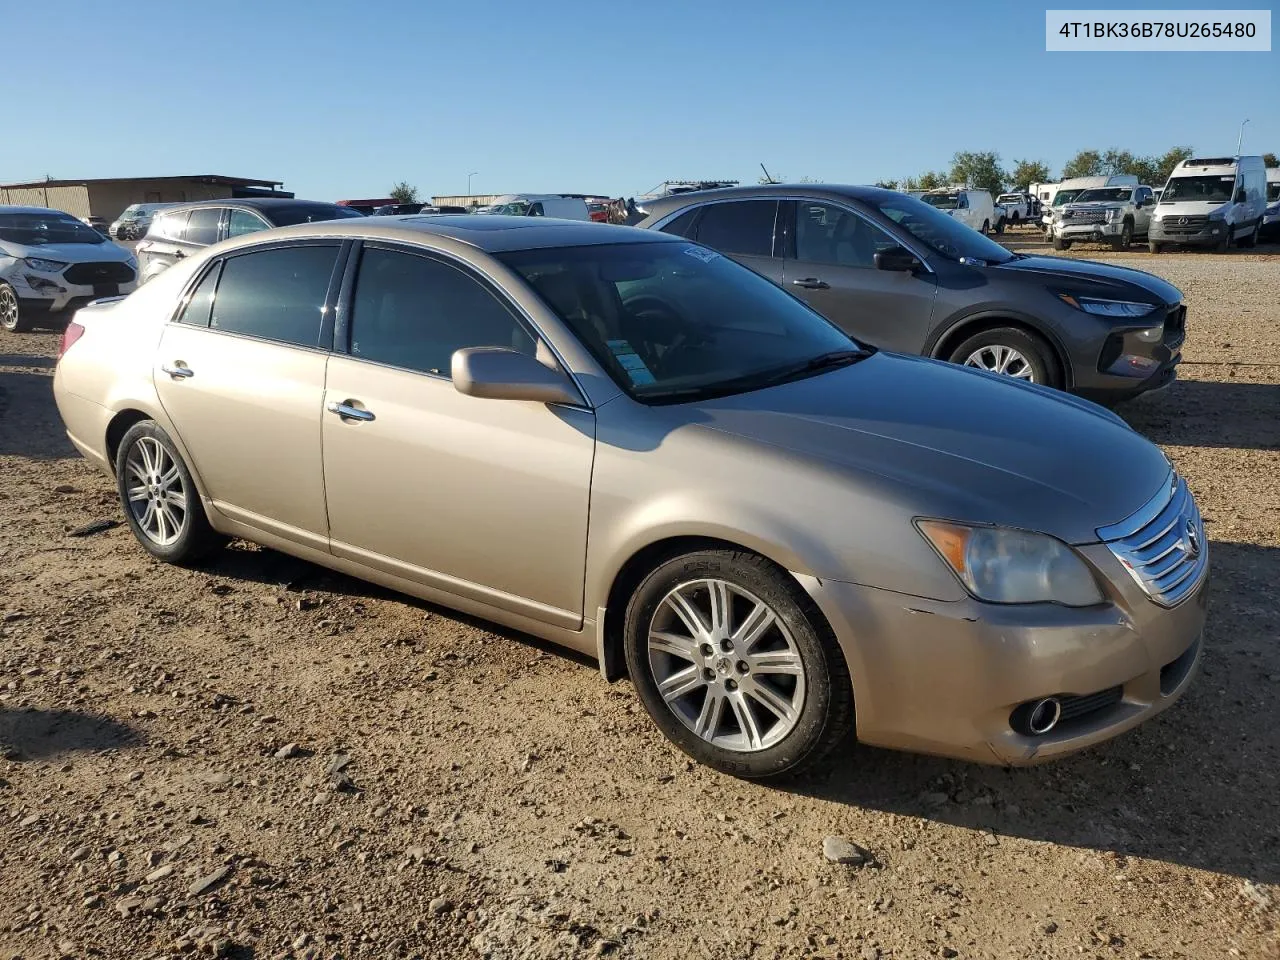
1066 192
1210 201
538 205
1271 218
974 208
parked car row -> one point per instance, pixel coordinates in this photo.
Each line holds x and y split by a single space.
781 533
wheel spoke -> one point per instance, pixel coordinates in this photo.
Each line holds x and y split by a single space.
721 607
171 476
773 701
686 611
148 460
137 493
148 518
776 661
674 644
708 721
681 683
753 627
746 720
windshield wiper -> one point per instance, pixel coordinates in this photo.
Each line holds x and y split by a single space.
767 378
824 361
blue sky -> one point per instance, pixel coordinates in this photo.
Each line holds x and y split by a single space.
340 100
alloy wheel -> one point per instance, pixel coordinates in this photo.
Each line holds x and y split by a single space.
8 308
157 496
998 358
726 665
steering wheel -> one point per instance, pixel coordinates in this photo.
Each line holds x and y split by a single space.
658 331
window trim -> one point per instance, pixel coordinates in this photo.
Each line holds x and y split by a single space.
342 331
701 209
325 333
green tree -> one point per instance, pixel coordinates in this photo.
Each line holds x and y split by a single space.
1269 159
1027 172
402 192
1163 166
1086 163
887 184
932 180
978 169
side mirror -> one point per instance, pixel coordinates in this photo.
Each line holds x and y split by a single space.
897 258
500 373
1241 197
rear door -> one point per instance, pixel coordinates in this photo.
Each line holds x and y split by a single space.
204 229
829 262
163 243
240 374
744 230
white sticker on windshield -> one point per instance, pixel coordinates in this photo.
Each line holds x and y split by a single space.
630 361
701 253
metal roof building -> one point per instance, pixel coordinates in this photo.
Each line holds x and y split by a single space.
108 197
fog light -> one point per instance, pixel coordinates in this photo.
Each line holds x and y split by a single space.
1214 231
1133 364
42 285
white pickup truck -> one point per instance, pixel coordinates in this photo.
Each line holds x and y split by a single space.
1016 207
971 207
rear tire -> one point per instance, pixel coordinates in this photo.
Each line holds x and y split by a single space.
160 500
986 227
12 317
990 350
1060 244
707 704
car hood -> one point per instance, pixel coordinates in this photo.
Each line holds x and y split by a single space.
1118 281
69 252
957 443
1184 208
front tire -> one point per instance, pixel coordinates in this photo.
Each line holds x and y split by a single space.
160 500
1060 244
1154 246
736 666
1225 243
1011 352
1252 240
1123 241
12 317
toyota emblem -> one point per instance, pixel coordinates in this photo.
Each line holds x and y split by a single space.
1191 539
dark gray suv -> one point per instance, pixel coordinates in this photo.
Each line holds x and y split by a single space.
897 273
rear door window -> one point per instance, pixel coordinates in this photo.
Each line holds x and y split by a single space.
202 228
276 294
682 225
242 222
200 304
744 227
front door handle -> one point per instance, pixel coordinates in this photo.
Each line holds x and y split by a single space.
178 254
347 411
179 370
812 283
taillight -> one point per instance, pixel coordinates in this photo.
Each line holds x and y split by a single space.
69 336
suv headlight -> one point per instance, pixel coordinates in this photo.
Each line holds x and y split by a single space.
45 266
1002 565
1113 214
1107 308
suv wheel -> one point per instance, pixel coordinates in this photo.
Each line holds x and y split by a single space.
1252 240
1225 243
1011 352
986 227
1154 246
1126 237
11 316
736 666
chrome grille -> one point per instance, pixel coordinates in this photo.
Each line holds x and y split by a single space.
1163 545
1085 216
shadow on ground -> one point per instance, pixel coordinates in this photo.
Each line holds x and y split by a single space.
37 734
1190 414
29 422
1198 786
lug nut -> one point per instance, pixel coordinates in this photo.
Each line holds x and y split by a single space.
742 666
731 684
708 673
706 650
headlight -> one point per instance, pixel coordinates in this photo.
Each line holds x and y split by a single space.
45 266
1013 566
1107 308
1113 214
1150 334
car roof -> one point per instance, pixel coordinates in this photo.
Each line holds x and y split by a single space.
816 191
490 234
255 203
17 208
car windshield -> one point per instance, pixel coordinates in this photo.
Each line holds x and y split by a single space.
943 201
1210 189
1065 196
674 322
938 231
1273 192
287 216
1104 193
1010 198
516 208
37 229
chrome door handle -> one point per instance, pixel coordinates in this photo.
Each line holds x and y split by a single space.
179 371
812 283
347 412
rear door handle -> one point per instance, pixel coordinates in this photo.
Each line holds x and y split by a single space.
346 411
179 371
812 283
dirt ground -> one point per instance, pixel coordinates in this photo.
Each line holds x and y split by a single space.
263 759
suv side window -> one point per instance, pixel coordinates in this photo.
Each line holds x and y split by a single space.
682 224
242 222
535 210
200 304
276 294
170 226
202 228
1144 194
744 227
414 312
829 234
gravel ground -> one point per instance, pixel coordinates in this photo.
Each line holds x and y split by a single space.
264 759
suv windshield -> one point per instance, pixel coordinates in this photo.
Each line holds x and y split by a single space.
943 201
516 208
37 229
287 216
1104 193
939 232
1211 189
1064 196
674 322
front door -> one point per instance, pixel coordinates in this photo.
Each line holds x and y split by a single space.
830 264
241 376
485 499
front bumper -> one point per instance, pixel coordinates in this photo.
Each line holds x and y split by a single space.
1087 231
945 677
55 293
1192 234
